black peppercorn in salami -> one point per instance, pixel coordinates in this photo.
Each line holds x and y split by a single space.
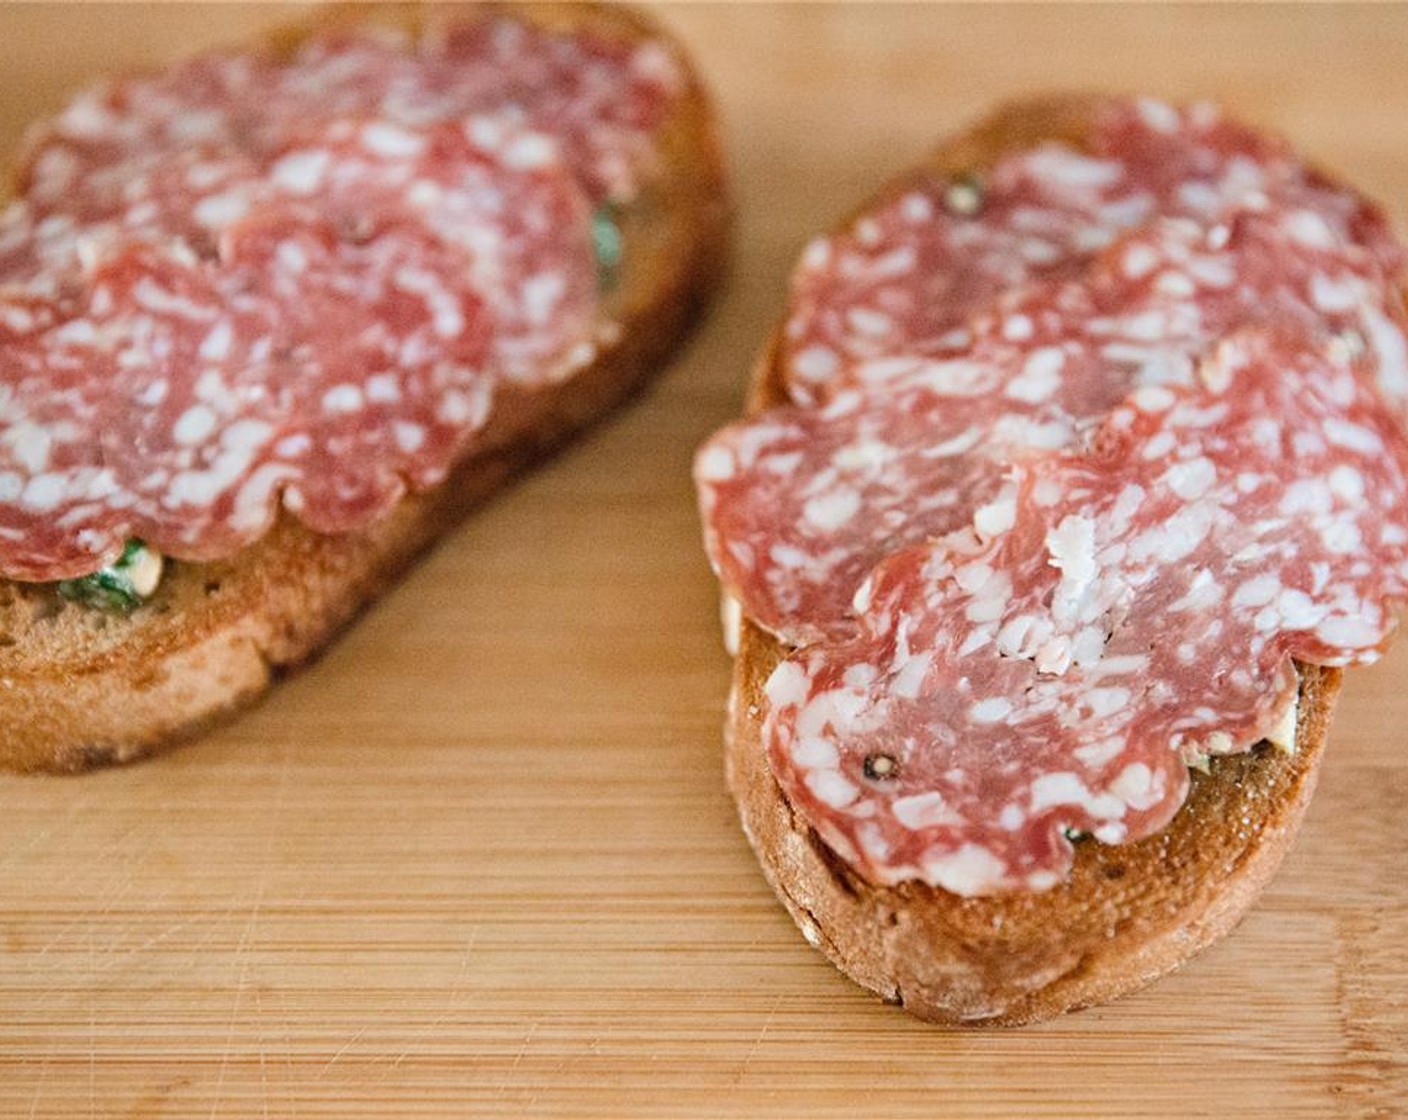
1171 363
252 280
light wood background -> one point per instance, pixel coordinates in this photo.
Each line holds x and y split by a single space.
480 861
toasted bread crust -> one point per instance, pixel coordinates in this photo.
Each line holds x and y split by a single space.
83 689
1127 915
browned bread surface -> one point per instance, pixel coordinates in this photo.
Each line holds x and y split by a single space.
80 688
1128 913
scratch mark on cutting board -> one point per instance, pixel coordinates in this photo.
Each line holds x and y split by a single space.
263 1056
452 1004
346 1046
15 853
758 1041
111 961
518 1058
118 851
243 953
39 1088
242 958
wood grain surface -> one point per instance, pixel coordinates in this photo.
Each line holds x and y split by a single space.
480 860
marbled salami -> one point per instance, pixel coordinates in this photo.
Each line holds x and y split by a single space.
1059 443
252 280
900 282
1136 606
801 502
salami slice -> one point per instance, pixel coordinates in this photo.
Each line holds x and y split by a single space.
901 282
1138 606
800 503
250 281
601 99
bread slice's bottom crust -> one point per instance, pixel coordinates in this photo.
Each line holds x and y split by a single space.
1127 915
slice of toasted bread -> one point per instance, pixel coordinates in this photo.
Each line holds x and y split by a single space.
81 688
1127 915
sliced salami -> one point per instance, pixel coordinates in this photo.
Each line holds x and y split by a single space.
900 282
1137 606
250 281
800 503
601 99
1078 461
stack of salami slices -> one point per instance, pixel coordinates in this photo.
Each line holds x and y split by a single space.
1069 461
259 276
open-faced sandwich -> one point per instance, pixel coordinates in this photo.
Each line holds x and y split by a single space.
1073 475
275 317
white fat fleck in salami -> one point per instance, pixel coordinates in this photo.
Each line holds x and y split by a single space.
1111 636
248 279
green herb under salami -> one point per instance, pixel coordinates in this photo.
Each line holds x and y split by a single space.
123 585
606 240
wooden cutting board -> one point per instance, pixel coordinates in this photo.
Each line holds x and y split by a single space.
480 861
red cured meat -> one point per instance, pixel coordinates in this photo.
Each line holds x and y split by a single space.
799 503
1069 479
901 282
247 281
1138 606
340 340
600 99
